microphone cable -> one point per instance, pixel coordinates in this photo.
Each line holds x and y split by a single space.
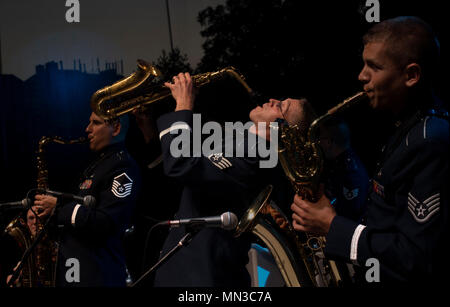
147 239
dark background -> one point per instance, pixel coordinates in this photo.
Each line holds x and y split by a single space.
284 49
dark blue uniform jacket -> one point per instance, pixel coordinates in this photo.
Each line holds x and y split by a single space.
408 209
347 185
213 184
93 234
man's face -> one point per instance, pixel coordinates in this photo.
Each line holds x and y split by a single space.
31 222
290 109
382 78
100 133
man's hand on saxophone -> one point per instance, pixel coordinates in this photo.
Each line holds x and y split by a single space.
44 205
182 91
312 217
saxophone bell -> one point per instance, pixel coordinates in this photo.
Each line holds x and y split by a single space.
268 223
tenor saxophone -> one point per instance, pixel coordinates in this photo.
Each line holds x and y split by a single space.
40 268
47 250
145 86
302 161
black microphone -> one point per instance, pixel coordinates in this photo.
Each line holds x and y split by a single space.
227 220
87 200
21 204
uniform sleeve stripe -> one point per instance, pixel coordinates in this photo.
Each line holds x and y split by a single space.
221 164
74 214
227 163
354 244
413 198
172 128
431 198
430 214
433 203
431 208
121 195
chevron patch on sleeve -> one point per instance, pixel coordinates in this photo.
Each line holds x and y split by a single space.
220 161
422 211
121 186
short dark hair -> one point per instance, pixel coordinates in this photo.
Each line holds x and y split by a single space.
124 124
410 40
306 117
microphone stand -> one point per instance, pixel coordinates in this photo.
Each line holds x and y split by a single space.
36 241
183 242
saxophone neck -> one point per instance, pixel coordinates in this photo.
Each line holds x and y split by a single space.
347 103
42 175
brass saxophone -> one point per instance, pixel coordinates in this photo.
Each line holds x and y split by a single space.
302 161
19 231
299 256
40 268
144 87
301 156
47 251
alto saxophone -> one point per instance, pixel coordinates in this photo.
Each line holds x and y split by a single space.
40 268
145 86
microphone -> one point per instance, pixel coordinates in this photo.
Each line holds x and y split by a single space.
87 200
227 220
21 204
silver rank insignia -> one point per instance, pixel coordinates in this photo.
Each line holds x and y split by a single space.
350 194
423 211
218 160
121 186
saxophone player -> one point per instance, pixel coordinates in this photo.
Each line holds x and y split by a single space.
214 184
406 227
90 251
14 251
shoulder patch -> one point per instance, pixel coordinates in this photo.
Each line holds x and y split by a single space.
349 194
422 211
218 160
121 186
